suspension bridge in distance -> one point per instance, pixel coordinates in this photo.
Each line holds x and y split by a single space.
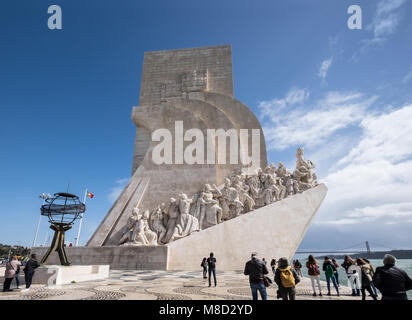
355 249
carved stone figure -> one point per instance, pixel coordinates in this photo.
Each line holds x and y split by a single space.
244 197
156 222
213 214
138 235
173 214
303 171
224 199
186 223
127 235
150 235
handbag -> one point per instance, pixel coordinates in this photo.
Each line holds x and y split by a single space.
266 281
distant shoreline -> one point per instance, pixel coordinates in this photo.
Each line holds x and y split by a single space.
399 254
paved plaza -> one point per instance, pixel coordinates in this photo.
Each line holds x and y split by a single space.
164 285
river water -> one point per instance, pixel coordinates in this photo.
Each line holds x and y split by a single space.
405 264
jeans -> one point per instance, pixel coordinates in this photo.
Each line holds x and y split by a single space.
28 277
204 272
214 276
312 280
369 289
375 291
337 277
262 289
6 284
17 280
334 284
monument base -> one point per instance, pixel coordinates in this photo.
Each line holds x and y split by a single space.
58 275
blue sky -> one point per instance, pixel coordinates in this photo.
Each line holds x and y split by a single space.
345 95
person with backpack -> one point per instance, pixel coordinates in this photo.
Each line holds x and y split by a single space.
10 273
366 279
391 281
29 269
256 270
314 273
330 271
211 264
204 266
273 266
286 278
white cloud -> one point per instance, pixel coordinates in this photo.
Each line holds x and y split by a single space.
324 67
386 19
373 182
310 123
295 96
117 190
385 22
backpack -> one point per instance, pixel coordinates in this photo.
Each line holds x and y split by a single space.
286 278
313 270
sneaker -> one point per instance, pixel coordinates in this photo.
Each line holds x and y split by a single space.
320 294
314 294
25 290
329 294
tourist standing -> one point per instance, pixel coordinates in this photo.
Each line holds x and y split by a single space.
391 281
211 264
204 266
336 265
314 273
273 265
372 272
298 268
330 270
264 261
366 279
10 273
286 278
351 272
17 276
29 269
256 270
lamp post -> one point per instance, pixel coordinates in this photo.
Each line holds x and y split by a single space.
43 196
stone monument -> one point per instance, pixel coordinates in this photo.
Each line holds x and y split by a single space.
200 179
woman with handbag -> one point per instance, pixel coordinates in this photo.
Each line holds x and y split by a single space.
314 273
366 278
10 273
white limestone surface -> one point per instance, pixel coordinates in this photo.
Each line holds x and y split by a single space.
273 231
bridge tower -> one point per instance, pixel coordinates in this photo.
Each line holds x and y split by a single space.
368 249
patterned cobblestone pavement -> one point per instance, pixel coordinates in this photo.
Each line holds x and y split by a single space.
164 285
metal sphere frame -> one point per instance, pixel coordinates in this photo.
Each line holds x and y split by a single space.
62 210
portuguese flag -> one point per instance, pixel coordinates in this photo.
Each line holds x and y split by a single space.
90 195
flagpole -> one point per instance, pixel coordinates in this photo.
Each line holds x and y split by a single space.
37 229
81 219
44 196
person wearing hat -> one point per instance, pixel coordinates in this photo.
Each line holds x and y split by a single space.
391 281
256 270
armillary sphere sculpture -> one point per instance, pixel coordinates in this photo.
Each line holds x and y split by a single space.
62 210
